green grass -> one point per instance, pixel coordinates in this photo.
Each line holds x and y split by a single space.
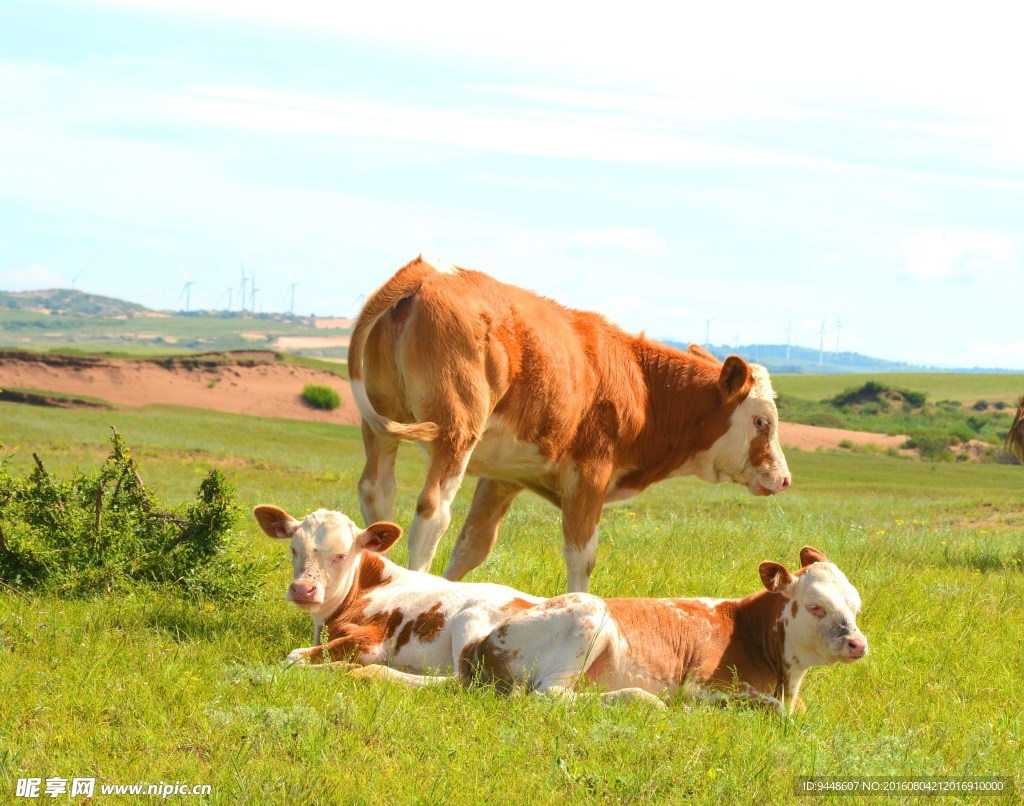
963 387
148 688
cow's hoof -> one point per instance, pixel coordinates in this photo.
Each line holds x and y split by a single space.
298 657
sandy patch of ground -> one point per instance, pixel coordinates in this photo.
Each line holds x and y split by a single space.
265 389
812 437
287 343
258 383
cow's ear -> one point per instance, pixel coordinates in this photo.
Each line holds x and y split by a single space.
699 352
776 578
809 555
275 521
734 379
380 537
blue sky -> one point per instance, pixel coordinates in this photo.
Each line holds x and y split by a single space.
765 167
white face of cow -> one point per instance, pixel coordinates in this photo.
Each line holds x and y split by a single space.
325 548
821 612
748 452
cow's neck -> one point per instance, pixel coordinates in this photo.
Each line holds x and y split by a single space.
685 415
371 571
761 620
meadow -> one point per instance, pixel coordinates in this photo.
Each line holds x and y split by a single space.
963 387
149 687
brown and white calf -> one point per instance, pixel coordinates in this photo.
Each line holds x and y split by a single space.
399 623
374 611
526 394
758 648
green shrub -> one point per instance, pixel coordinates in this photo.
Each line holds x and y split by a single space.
105 531
933 446
321 397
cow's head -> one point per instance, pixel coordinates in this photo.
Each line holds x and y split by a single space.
820 614
326 549
748 451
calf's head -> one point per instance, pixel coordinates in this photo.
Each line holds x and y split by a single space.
326 549
820 615
748 451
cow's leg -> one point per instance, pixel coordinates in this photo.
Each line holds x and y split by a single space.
377 484
568 692
433 508
746 696
490 503
381 672
584 487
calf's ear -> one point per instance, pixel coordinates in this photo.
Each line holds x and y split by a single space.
776 578
734 379
379 537
809 555
275 521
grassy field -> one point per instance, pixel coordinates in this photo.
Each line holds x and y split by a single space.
148 688
963 387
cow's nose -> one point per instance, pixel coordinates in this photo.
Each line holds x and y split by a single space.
786 481
857 647
302 590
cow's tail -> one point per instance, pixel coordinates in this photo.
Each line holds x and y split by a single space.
405 283
1015 438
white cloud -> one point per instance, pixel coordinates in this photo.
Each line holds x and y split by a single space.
934 254
32 278
994 354
639 240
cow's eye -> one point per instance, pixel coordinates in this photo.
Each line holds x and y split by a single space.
761 423
339 557
815 610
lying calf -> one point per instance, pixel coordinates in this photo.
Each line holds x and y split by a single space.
757 648
396 623
376 612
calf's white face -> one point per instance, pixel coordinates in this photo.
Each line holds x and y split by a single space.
821 612
325 548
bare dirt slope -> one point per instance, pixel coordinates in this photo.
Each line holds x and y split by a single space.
256 383
259 383
812 437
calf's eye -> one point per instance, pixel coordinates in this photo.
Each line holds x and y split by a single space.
761 423
339 557
815 609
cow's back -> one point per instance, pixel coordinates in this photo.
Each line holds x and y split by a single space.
551 376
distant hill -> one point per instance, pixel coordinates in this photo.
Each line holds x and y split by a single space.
64 318
781 359
66 301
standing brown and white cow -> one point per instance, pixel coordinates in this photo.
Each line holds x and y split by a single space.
527 394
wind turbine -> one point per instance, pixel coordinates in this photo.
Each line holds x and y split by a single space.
839 327
241 288
186 290
821 345
228 294
291 289
75 279
707 333
789 338
252 291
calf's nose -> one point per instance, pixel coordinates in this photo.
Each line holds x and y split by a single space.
786 481
857 647
301 590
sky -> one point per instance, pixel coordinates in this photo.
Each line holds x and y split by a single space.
744 172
